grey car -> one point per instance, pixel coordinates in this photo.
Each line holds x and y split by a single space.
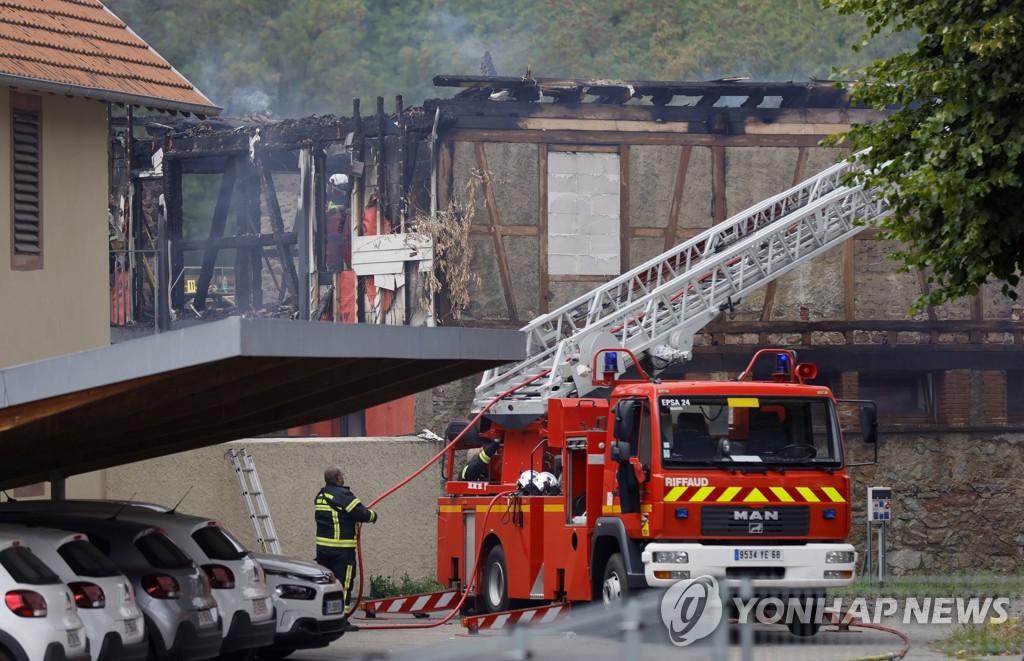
172 591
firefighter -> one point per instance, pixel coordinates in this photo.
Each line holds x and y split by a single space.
337 511
478 467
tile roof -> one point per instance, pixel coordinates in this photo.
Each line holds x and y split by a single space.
80 48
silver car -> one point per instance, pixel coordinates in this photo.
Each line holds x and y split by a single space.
236 579
40 620
172 591
102 593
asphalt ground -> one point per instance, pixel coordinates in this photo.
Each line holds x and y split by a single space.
770 642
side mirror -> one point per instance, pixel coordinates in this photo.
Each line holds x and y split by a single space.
620 451
625 419
869 423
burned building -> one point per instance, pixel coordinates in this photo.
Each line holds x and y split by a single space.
563 184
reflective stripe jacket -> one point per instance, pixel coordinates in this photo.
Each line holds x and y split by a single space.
478 467
337 512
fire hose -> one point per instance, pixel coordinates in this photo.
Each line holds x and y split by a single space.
416 473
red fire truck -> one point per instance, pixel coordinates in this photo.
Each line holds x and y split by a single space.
618 479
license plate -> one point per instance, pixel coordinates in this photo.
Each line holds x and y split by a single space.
73 639
334 607
757 554
205 618
131 627
259 606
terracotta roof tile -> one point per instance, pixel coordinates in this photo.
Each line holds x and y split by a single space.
80 48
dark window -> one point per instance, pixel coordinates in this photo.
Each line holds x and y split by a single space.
161 552
1015 393
908 394
26 182
25 567
87 560
217 544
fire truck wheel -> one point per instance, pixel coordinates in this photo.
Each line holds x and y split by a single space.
805 629
614 586
495 596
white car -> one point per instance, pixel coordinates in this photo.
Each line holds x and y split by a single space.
104 596
173 592
39 619
310 605
237 580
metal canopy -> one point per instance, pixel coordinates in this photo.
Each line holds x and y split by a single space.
217 382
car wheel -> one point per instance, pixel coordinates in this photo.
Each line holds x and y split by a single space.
4 656
614 586
495 587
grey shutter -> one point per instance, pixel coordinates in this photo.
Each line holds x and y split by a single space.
27 221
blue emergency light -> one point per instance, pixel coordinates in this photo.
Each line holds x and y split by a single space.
611 361
682 513
782 363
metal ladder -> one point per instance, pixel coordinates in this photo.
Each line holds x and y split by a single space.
255 501
671 297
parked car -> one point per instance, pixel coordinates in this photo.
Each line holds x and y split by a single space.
309 602
308 599
238 582
102 593
173 592
40 620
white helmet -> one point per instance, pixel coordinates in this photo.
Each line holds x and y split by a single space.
545 481
525 479
338 180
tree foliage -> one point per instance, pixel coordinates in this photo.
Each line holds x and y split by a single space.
298 57
954 144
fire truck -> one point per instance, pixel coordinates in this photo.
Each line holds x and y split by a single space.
610 479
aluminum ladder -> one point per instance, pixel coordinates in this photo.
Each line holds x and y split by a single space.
665 301
255 501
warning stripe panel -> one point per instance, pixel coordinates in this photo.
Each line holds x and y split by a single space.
772 494
415 603
539 615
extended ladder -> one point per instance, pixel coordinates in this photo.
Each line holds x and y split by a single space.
671 297
255 501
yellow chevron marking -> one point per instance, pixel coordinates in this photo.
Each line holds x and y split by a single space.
701 494
729 494
675 494
782 494
755 496
743 402
833 494
808 495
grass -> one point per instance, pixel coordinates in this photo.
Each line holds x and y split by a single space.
953 585
383 587
986 639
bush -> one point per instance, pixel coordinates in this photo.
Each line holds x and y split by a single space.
383 587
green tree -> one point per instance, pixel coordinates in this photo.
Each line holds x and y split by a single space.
954 144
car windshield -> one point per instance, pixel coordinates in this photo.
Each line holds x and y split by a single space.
217 544
25 567
759 430
85 559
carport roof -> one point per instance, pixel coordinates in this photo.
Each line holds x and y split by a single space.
216 382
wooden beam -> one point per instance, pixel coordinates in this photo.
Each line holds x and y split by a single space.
718 201
672 227
542 229
624 201
283 250
615 138
505 230
499 244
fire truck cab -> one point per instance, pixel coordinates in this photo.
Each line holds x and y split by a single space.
656 482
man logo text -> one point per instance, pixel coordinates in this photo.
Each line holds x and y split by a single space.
756 515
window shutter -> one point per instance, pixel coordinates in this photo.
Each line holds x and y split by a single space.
26 177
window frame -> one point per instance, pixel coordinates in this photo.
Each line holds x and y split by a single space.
26 104
925 384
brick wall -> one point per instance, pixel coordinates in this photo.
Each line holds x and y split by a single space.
953 398
993 393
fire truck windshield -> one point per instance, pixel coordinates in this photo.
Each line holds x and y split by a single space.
754 430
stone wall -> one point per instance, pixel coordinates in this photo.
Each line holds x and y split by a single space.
956 501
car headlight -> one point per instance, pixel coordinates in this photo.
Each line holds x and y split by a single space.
839 557
290 591
671 557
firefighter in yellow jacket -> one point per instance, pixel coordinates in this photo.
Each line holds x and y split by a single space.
338 512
